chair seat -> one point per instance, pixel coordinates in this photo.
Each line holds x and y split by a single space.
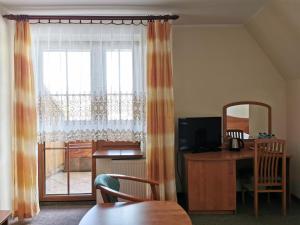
249 187
248 184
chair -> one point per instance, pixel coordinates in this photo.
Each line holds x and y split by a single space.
269 170
109 186
235 133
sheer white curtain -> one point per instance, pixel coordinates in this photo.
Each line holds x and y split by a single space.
90 81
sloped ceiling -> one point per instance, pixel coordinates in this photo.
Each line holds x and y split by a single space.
276 28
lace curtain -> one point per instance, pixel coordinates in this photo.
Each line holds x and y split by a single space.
90 81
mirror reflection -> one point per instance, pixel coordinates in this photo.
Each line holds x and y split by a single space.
251 119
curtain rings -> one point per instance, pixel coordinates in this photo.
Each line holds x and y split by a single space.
90 21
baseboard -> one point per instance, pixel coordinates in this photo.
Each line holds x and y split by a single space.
67 203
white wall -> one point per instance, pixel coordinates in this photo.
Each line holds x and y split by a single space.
276 29
293 136
5 113
214 66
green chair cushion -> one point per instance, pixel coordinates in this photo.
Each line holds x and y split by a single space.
110 182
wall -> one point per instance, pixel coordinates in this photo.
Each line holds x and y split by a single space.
276 28
293 133
214 66
5 115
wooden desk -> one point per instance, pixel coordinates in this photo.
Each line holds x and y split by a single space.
4 215
211 180
142 213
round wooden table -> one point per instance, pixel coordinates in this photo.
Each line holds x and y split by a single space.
141 213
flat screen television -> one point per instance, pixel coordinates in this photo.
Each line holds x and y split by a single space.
199 134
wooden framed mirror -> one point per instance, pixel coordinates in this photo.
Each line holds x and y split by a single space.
247 117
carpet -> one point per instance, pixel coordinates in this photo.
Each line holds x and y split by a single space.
72 213
269 214
57 215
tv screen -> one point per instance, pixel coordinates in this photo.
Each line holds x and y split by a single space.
199 134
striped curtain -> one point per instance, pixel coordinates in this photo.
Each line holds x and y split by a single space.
25 194
160 109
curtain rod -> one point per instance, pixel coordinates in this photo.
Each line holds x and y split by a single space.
68 18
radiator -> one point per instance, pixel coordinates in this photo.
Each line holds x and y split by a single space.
126 167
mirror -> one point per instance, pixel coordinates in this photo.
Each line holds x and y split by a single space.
246 119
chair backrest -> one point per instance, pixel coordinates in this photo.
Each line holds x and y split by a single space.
109 186
270 162
235 133
110 182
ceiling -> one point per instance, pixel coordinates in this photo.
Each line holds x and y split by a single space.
277 30
190 11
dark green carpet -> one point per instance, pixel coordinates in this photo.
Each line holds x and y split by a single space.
71 213
268 215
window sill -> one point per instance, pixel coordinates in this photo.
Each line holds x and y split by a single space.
118 154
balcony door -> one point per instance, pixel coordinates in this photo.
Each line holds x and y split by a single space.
66 171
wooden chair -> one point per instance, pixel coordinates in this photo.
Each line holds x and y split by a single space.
235 133
269 170
109 186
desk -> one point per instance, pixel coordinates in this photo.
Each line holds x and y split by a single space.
4 215
142 213
211 180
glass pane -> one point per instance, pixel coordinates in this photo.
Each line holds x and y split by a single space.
56 108
55 169
79 107
119 75
80 168
79 72
112 71
113 107
126 80
126 107
54 72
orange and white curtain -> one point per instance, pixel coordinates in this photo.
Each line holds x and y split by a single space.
160 109
25 193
